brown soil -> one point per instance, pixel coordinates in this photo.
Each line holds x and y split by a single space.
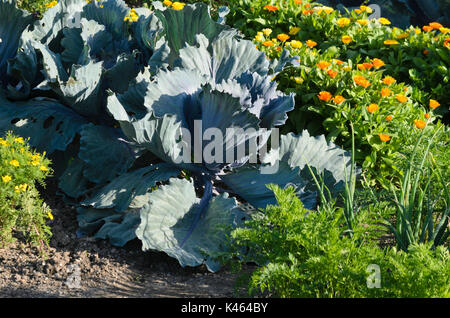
104 270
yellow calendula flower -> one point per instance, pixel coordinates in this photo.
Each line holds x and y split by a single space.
390 42
321 9
362 22
417 30
298 80
51 4
44 168
19 140
178 5
366 9
50 215
14 163
327 10
342 22
267 31
23 187
259 37
346 39
6 179
296 44
403 35
294 30
444 30
167 3
384 21
3 142
35 163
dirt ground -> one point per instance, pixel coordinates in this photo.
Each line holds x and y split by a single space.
85 267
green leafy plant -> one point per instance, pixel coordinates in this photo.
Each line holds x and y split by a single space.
21 209
37 7
303 253
417 220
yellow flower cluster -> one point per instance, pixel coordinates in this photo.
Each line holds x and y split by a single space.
132 16
175 5
51 4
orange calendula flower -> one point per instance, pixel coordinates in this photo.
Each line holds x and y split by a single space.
384 137
338 62
325 96
389 117
311 43
447 42
323 65
435 25
427 115
307 12
346 39
298 1
338 99
401 98
361 80
420 124
390 42
332 73
385 92
268 43
427 28
283 37
388 80
434 104
426 52
365 66
378 63
270 8
372 108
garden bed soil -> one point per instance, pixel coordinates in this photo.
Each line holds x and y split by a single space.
86 267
